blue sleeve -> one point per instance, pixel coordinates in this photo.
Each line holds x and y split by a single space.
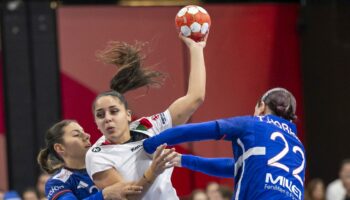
71 196
183 133
222 167
227 129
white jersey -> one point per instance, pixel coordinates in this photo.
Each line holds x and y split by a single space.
130 160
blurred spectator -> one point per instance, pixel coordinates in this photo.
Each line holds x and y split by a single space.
11 195
212 191
40 185
315 190
198 195
30 194
2 193
225 192
336 189
345 177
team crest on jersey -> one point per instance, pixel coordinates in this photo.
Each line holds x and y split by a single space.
144 125
96 149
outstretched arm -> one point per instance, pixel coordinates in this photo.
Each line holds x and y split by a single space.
227 129
221 167
182 108
183 133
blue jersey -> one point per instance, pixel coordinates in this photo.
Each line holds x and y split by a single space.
269 160
269 157
71 184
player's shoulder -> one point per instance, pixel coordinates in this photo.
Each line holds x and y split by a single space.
151 123
59 183
62 175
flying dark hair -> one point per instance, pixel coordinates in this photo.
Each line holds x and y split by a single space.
131 73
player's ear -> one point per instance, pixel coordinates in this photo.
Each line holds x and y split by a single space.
260 108
59 148
129 113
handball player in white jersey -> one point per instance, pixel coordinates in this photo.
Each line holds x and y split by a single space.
118 155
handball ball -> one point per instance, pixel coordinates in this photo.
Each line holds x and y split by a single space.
193 22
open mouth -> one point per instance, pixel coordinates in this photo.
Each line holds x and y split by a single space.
110 129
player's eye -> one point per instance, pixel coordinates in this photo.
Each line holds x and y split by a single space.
114 111
100 115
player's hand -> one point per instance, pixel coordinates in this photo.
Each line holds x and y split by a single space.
193 44
120 190
161 162
177 160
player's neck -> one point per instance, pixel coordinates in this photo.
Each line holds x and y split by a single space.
75 163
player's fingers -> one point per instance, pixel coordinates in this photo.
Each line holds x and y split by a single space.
166 153
133 190
159 151
166 157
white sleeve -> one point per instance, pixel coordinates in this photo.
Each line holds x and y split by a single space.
96 161
160 121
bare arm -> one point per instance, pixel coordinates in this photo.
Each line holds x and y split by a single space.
159 164
182 108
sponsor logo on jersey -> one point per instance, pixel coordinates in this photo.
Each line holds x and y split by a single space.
163 118
283 185
96 149
54 189
82 184
135 148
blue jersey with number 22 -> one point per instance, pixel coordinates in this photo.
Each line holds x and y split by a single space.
269 159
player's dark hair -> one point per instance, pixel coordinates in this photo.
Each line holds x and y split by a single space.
131 74
48 159
281 102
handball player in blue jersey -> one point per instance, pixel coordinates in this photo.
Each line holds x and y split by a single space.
64 158
269 159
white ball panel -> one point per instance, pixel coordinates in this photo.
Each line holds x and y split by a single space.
182 12
185 30
193 10
204 28
195 27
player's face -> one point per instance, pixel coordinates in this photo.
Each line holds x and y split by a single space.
75 141
112 119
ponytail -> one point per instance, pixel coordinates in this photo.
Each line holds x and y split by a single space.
131 75
48 162
48 159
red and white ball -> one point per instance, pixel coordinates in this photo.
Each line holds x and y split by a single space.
193 22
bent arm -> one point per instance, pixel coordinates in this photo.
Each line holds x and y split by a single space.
159 164
221 167
182 108
109 177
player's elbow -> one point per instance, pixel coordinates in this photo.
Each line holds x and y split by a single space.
197 101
